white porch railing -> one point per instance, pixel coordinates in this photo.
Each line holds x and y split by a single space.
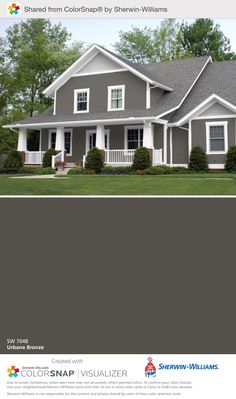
119 157
60 157
157 157
34 157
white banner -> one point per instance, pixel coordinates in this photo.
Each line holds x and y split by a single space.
182 376
117 9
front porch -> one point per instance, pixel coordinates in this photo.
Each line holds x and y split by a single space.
117 141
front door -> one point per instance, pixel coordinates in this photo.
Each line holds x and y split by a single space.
91 139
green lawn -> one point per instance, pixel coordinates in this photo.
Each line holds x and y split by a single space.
194 184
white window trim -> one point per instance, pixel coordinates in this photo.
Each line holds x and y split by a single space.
55 131
110 88
76 91
50 137
88 132
219 123
71 138
126 134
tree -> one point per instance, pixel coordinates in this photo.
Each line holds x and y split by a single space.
151 45
37 52
203 37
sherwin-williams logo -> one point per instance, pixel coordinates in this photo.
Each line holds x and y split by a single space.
150 369
13 371
13 9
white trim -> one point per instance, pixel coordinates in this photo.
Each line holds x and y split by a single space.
98 73
205 102
117 87
182 165
216 166
171 146
148 96
66 130
76 91
92 131
187 93
189 137
50 137
83 122
165 144
55 103
219 123
126 128
215 117
66 75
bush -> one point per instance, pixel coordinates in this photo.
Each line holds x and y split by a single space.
230 163
116 170
13 160
198 160
166 170
47 159
75 171
94 160
141 159
44 171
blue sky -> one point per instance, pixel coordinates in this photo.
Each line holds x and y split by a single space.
106 31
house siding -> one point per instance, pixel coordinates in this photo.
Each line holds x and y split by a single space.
199 137
135 91
179 146
158 136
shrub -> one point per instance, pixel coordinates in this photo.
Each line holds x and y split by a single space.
44 171
166 170
75 171
230 163
94 160
141 159
47 159
116 170
198 160
13 160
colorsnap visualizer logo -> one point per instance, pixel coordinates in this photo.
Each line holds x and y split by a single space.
13 371
39 372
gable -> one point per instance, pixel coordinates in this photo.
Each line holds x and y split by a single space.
216 109
99 64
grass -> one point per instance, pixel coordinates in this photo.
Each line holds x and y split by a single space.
193 184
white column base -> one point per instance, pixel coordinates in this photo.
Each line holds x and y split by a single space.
22 140
148 135
60 139
100 137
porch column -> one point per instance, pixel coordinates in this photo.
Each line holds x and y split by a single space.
22 140
60 139
148 136
165 144
100 137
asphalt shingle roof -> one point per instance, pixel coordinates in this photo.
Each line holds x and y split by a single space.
218 78
179 75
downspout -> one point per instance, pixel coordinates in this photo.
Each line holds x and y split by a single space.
13 130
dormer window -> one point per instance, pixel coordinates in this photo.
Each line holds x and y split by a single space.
81 100
116 98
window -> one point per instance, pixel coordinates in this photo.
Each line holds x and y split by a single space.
217 137
68 141
52 139
133 137
116 98
81 100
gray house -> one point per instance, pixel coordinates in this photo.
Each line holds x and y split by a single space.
103 100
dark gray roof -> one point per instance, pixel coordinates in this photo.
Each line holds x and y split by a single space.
179 75
218 78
